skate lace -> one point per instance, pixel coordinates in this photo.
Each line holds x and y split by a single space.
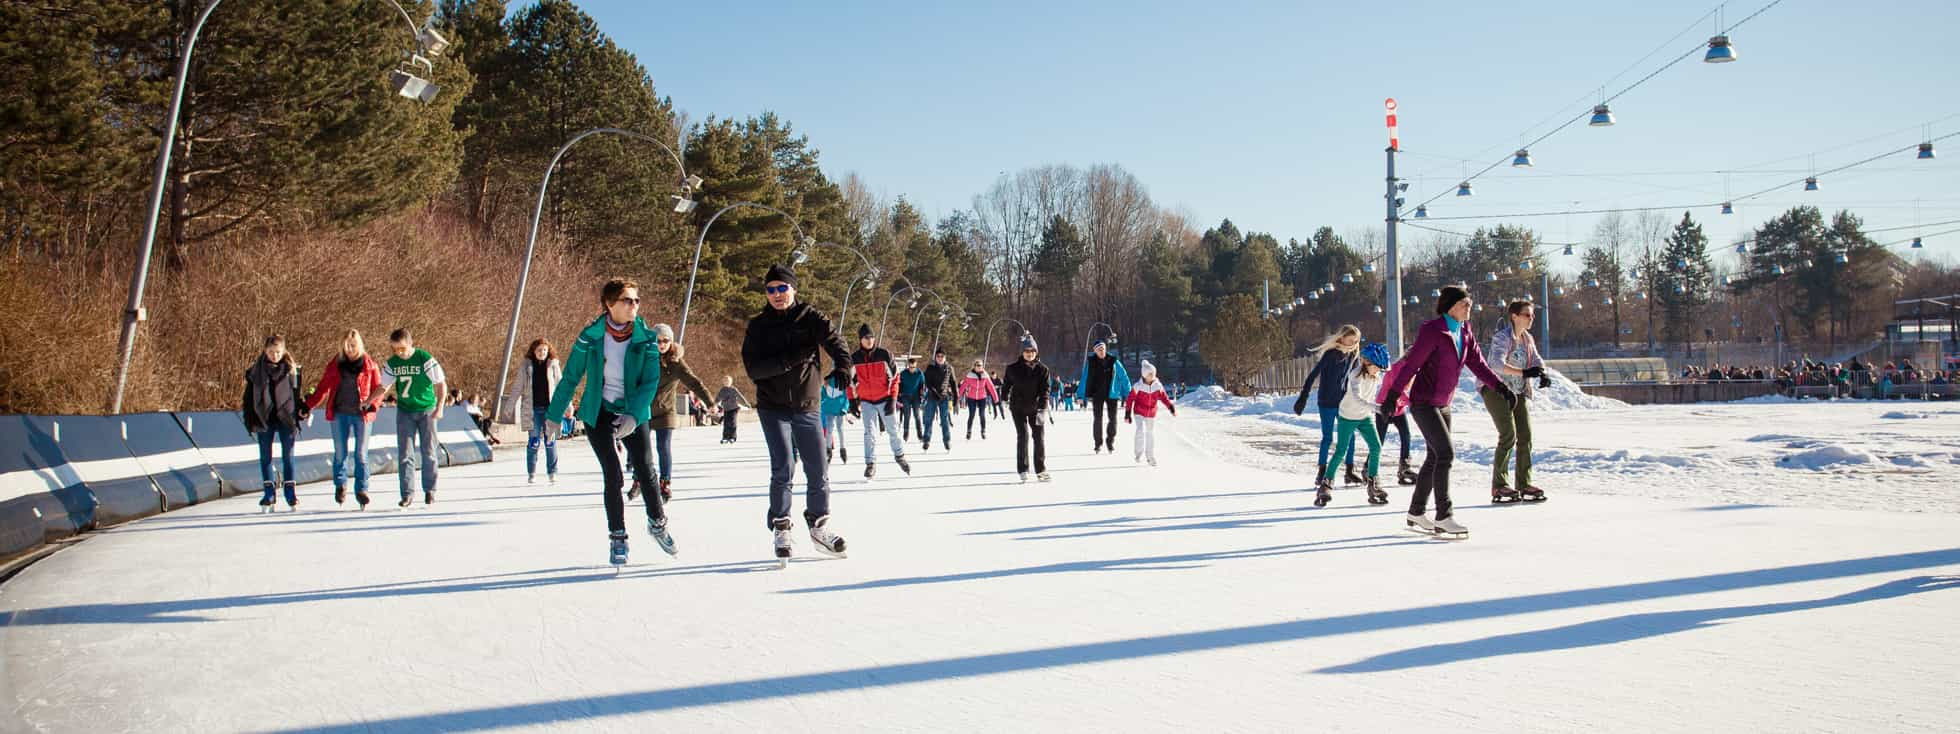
782 538
824 536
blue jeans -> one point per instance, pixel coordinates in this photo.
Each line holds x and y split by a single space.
346 428
802 433
908 415
1330 421
540 436
976 409
413 428
285 436
944 410
663 444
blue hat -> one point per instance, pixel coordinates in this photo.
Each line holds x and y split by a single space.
1097 343
1375 352
1027 342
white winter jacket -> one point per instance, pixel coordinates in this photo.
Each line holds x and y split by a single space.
1359 402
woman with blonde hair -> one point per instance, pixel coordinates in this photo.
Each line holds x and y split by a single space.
1337 355
350 387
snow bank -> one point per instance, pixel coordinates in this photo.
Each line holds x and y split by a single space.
1903 415
1564 394
1825 457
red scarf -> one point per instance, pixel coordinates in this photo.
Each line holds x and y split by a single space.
619 334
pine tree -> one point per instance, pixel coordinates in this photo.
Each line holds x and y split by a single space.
1682 280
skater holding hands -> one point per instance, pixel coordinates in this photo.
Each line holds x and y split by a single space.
1357 415
1444 347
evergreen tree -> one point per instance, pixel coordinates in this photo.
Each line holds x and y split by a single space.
1684 280
1240 342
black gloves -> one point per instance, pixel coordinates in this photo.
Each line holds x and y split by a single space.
1544 382
1300 405
1389 400
1505 390
1538 371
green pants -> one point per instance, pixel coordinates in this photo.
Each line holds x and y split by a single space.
1344 441
1513 432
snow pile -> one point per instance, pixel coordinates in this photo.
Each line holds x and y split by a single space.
1826 457
1564 394
1903 415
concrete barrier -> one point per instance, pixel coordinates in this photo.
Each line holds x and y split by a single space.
462 442
41 498
166 453
95 452
234 452
1669 393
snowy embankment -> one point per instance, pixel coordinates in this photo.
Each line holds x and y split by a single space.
1872 455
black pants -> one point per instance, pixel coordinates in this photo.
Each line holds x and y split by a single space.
1401 423
976 409
599 435
728 423
1028 425
1097 430
1434 476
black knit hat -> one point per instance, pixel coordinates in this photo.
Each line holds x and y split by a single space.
780 272
1451 294
864 330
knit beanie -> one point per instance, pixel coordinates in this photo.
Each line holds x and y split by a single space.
779 272
1027 342
1451 294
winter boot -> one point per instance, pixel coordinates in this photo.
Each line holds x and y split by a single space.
658 529
1529 493
1323 492
361 498
340 494
617 542
1352 479
1448 527
780 529
903 465
633 492
1375 494
1405 476
292 496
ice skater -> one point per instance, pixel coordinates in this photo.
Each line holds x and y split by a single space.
421 389
1337 355
673 371
617 362
1357 415
1520 366
273 410
1444 346
350 388
979 393
1142 403
730 402
875 400
1026 382
537 377
836 409
1105 384
782 350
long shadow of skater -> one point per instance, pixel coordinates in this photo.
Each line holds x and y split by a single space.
1625 628
1116 501
588 709
1212 521
1148 563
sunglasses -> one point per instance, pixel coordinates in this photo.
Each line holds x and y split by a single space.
775 289
628 301
664 340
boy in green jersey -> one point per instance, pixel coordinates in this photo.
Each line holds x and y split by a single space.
416 379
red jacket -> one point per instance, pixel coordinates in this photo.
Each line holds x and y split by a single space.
874 375
370 382
1144 399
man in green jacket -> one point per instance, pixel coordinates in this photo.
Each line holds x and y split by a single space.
617 362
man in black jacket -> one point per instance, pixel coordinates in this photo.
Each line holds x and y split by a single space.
1098 371
939 393
1026 387
781 352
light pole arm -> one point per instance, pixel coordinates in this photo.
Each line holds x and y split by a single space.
531 245
687 305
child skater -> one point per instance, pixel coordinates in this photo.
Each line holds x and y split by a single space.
1142 402
1357 415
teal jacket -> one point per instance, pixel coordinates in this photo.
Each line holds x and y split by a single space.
1119 380
588 361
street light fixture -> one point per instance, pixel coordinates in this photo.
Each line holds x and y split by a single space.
1719 51
701 241
1602 116
1522 159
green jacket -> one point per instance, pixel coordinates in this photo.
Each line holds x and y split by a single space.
588 361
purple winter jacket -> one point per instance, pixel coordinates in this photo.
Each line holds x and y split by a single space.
1437 366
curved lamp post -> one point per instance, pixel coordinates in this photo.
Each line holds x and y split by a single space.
964 323
407 85
687 305
945 309
987 343
888 302
802 255
683 203
1091 336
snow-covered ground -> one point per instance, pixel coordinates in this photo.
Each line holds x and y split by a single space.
1203 595
1879 455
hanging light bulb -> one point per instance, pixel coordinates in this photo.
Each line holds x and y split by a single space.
1592 282
1463 189
1490 276
1297 301
1778 270
1578 307
1681 262
1378 308
1728 208
1917 245
1843 258
1522 159
1602 116
1422 211
1347 277
1559 291
1810 184
1742 248
1568 249
1413 300
1435 292
1608 301
1719 51
1926 151
1367 267
1679 288
1479 308
1329 287
1727 280
1314 295
1526 265
1643 295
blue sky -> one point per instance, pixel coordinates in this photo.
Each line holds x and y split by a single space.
1271 113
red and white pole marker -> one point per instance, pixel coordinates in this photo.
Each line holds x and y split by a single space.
1394 139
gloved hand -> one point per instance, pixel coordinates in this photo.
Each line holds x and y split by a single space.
1509 396
623 426
1300 405
856 411
842 376
1538 371
1126 419
891 407
1390 401
1544 382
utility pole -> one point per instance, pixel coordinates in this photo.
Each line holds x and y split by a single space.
1392 286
